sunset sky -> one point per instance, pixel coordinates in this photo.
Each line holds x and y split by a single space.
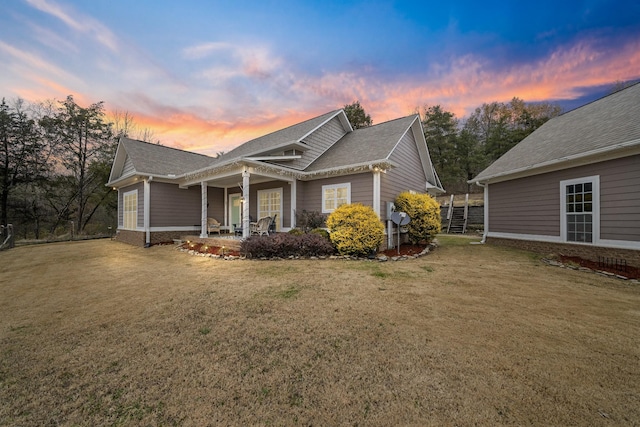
208 75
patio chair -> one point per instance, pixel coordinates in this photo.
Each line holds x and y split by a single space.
213 226
272 224
262 226
238 229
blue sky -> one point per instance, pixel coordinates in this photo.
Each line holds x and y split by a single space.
208 75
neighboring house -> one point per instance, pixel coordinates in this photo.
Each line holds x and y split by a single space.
573 185
316 165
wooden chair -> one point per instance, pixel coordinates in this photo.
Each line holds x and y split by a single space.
213 226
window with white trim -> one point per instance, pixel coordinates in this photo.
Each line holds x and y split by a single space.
335 195
580 211
130 210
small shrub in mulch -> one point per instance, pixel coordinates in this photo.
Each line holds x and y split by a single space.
285 245
207 249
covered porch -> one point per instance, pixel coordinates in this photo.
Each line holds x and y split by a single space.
240 194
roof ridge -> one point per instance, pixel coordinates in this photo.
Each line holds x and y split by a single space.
158 144
601 98
292 125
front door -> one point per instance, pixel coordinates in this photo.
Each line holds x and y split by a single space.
235 210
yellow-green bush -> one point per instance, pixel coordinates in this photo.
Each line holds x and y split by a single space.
424 212
355 229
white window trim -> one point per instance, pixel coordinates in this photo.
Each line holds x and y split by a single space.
124 205
346 185
271 190
595 185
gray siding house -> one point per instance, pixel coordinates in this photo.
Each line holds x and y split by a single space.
165 193
573 185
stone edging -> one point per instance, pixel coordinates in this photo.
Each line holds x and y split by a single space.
556 263
380 258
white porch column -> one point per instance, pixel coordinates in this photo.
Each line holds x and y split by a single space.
203 216
226 207
376 192
147 211
246 232
294 201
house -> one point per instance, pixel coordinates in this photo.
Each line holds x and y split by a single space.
573 185
165 193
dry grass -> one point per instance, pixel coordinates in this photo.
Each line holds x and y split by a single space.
101 333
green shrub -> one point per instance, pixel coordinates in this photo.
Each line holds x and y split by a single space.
424 212
296 232
355 229
321 232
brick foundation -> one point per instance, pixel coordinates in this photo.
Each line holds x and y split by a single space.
138 238
590 253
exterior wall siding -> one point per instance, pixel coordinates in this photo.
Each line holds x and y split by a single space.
526 206
620 199
172 206
319 142
532 205
408 176
310 192
215 197
127 168
140 219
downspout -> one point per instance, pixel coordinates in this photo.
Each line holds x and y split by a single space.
147 213
246 232
486 211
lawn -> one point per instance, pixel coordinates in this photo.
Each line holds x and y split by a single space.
102 333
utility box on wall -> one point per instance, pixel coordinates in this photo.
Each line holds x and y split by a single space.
391 207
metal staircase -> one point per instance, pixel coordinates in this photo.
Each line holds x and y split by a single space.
457 216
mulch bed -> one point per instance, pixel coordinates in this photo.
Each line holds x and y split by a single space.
629 272
206 249
405 250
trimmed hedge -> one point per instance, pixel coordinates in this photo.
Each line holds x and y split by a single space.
284 245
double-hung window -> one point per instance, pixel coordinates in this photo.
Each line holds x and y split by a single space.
335 195
130 210
580 209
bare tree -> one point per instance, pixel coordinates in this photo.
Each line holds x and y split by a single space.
83 138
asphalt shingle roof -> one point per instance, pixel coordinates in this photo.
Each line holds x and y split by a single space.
602 124
155 159
363 145
264 143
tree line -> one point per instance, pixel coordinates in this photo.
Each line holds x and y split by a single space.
462 148
55 159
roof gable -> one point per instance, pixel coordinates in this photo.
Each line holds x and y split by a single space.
603 126
283 139
372 143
